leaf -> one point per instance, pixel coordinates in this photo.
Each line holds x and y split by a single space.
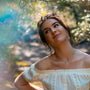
9 85
22 63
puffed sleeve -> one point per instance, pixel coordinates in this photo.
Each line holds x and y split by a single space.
30 74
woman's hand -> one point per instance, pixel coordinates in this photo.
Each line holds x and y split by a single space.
22 84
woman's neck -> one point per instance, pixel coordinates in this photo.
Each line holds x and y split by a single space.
64 52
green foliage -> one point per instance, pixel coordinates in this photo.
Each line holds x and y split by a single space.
18 19
71 12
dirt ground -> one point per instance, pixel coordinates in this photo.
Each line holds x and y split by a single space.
28 53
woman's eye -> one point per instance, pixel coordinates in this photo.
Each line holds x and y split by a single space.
47 31
56 25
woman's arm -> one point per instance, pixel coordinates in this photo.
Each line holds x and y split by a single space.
22 84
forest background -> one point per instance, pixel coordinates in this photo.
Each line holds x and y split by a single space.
20 45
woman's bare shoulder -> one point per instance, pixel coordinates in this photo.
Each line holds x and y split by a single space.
81 53
87 60
85 57
43 63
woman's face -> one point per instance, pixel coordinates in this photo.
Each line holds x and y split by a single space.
54 33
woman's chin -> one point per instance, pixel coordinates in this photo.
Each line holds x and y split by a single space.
60 40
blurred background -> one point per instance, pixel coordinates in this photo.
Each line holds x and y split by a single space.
20 45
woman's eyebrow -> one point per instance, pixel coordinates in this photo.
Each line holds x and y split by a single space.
45 29
55 23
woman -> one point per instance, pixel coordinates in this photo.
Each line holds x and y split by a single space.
65 69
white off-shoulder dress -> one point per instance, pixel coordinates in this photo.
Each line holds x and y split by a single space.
61 79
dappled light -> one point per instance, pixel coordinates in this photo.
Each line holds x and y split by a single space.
20 45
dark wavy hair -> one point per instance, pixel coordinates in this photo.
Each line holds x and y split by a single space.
51 16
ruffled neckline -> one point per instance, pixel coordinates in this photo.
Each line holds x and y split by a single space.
62 70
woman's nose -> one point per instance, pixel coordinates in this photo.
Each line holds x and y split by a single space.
53 29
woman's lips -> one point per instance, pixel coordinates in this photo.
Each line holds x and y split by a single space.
56 36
